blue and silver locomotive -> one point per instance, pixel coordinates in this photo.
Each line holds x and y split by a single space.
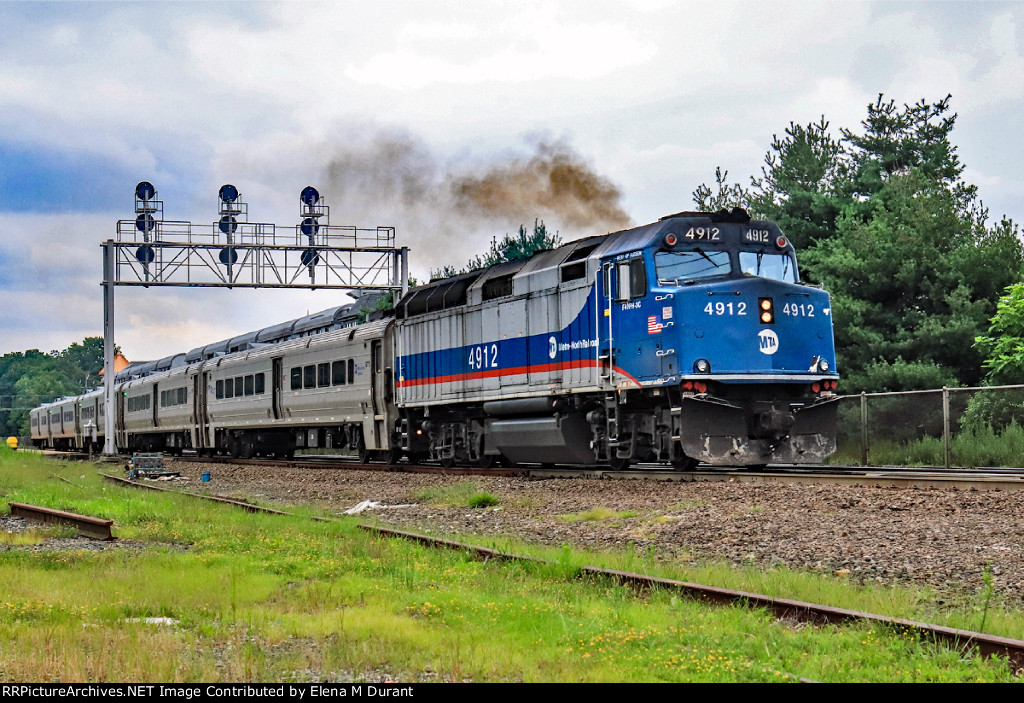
689 339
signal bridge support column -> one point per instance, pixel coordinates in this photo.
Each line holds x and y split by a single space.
109 252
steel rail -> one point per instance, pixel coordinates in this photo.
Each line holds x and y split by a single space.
896 477
94 527
354 465
250 507
783 608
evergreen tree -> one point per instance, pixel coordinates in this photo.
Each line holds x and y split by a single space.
801 181
883 218
517 247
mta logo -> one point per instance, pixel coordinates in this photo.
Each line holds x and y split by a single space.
769 342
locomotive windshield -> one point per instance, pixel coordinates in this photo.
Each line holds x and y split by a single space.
679 266
779 267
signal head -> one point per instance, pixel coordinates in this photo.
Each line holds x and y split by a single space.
228 193
145 190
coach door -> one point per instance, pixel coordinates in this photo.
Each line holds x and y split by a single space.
120 435
201 419
156 411
377 386
277 379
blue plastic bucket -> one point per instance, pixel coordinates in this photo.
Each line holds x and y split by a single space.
206 476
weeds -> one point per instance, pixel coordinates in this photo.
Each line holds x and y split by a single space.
599 513
974 447
463 495
986 594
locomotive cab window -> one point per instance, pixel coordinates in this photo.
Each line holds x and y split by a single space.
681 266
631 279
779 267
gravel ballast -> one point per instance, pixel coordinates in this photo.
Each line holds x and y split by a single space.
939 538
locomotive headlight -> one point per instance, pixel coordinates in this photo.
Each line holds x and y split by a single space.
702 366
767 307
823 365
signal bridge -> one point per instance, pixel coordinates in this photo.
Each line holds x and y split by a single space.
235 253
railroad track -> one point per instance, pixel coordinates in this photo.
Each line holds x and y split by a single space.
997 478
783 608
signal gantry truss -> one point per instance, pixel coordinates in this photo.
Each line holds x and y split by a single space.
235 253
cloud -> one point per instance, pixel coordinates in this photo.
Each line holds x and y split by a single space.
412 114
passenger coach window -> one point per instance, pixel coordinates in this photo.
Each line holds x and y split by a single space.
297 378
249 385
323 375
229 388
779 267
309 376
338 373
681 266
260 384
351 371
238 387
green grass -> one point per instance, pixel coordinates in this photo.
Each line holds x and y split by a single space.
263 597
463 495
595 514
982 447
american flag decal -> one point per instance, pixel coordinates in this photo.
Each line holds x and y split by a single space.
653 326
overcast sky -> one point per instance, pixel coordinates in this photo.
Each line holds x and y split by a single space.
383 106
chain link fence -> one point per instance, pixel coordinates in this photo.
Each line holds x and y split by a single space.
961 427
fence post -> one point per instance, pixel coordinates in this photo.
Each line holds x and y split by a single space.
945 426
863 428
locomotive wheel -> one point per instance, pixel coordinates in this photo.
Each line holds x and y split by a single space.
363 453
682 462
487 461
448 462
390 456
617 464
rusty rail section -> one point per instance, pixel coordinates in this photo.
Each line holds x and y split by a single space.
94 527
784 608
215 499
